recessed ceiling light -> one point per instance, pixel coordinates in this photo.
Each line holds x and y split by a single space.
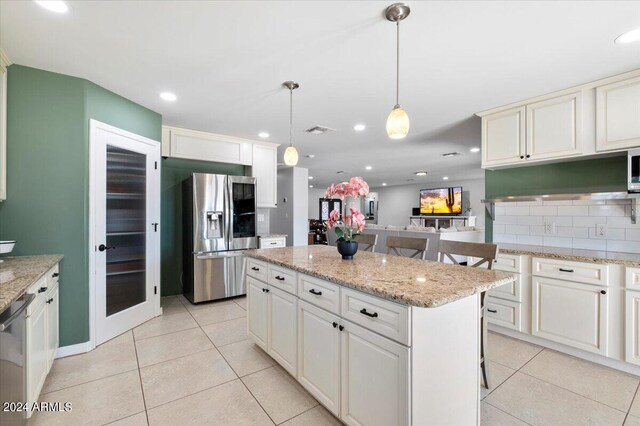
310 177
263 135
359 127
310 156
368 167
628 37
445 177
384 183
310 186
55 6
474 149
420 173
168 96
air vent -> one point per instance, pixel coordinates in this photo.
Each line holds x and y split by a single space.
451 154
340 172
318 130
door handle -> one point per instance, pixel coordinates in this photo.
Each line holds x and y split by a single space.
279 278
335 324
42 289
102 247
55 274
565 270
253 268
317 293
493 311
363 311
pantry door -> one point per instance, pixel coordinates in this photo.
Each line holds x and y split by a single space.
125 246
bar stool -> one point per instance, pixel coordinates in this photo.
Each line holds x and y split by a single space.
419 245
368 241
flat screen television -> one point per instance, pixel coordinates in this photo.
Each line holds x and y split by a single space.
443 201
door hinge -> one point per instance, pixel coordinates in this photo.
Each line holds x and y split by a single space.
155 289
156 165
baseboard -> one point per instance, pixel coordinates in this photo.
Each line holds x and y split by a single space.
79 348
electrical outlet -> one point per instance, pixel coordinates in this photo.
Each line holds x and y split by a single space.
549 228
601 230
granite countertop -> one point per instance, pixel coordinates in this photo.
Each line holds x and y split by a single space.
578 255
18 273
413 282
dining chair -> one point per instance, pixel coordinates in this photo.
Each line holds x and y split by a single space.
368 241
418 245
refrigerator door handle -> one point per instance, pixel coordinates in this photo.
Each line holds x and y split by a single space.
229 198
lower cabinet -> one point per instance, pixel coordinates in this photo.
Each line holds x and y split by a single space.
571 313
283 312
37 356
257 316
632 327
52 324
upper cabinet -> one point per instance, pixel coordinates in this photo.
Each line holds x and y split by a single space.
4 63
261 157
579 122
618 115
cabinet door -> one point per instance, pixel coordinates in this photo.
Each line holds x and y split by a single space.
265 170
37 350
196 145
503 138
283 313
574 314
257 318
554 127
618 115
3 128
385 400
632 327
52 324
319 355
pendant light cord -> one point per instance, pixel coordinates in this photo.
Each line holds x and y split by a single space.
397 63
290 117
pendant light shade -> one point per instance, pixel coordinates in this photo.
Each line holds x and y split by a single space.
398 120
291 153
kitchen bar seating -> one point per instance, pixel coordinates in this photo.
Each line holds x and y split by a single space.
419 245
487 254
367 241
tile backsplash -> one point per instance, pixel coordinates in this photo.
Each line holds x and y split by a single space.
593 225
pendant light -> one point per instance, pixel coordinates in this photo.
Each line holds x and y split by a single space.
291 153
398 120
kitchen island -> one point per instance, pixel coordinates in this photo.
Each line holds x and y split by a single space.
378 340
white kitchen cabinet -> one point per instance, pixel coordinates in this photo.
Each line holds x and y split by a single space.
618 115
384 401
319 355
204 146
4 63
257 312
265 170
571 313
53 309
503 137
554 127
272 242
37 354
503 312
632 327
282 342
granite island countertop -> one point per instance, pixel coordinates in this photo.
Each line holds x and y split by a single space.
577 255
18 273
414 282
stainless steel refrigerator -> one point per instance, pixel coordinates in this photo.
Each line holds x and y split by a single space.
218 223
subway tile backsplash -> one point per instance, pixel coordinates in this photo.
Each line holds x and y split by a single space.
568 224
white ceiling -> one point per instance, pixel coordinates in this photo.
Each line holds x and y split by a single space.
226 61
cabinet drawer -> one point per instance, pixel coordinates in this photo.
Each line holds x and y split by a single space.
319 293
511 291
53 274
40 289
384 317
633 278
272 242
508 263
504 313
257 269
589 273
283 278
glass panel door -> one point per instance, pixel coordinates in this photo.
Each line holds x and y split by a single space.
244 210
126 186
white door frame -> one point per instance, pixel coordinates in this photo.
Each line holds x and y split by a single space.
154 271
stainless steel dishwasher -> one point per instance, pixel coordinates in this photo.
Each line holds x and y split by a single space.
12 361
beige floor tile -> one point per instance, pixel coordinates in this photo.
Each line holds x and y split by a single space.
217 312
246 357
611 387
139 419
175 379
491 416
172 305
165 324
223 333
510 352
170 346
227 404
635 405
498 373
184 301
632 421
113 357
541 403
281 396
95 403
242 302
317 416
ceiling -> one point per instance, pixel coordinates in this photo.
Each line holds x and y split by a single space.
226 61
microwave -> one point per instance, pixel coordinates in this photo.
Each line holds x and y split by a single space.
633 170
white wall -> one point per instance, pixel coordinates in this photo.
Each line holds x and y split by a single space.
314 195
395 202
291 215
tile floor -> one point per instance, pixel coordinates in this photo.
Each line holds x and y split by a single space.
195 365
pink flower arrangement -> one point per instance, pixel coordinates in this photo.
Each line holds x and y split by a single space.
354 222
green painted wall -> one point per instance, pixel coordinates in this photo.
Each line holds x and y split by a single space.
174 171
597 175
47 174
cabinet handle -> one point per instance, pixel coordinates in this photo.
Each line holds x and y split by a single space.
528 155
274 243
42 289
522 157
603 292
493 311
55 274
566 270
341 328
50 300
265 290
253 268
279 278
317 293
363 311
335 324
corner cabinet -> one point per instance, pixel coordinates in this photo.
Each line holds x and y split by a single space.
4 63
265 170
618 115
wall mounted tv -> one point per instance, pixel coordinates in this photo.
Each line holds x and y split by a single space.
441 201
